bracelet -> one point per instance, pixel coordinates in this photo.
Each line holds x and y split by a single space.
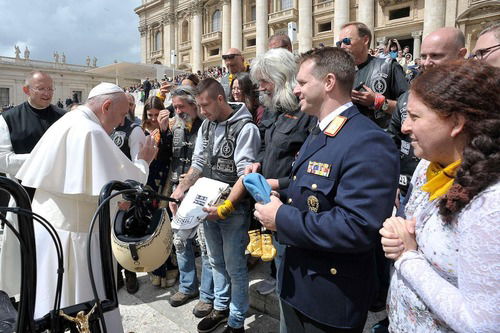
379 101
224 210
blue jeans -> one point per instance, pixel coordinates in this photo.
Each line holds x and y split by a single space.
226 242
188 280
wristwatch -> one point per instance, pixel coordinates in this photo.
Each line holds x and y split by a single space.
385 105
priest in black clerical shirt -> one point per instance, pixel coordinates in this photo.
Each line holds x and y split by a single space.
20 129
22 126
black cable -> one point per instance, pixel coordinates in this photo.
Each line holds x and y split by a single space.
91 228
89 255
23 248
57 244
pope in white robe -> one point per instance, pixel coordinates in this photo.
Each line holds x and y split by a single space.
68 167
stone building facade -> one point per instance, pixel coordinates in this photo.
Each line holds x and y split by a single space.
198 32
68 79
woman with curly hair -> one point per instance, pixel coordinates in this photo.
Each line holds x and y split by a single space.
446 249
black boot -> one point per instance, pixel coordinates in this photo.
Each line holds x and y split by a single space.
131 282
213 320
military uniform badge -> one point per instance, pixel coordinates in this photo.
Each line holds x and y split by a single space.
320 169
313 203
335 125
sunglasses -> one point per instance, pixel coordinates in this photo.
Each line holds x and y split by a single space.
346 41
229 56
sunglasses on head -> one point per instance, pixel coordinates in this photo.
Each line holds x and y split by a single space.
229 56
346 41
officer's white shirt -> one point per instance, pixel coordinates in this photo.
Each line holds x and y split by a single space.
328 119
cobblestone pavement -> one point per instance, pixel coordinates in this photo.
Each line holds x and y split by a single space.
149 311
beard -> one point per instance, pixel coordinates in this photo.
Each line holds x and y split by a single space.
266 100
183 120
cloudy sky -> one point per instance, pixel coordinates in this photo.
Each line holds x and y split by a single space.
106 29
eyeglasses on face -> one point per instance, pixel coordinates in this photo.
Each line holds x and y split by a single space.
229 56
40 90
346 41
483 53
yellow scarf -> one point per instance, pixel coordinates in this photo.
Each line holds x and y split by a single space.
439 179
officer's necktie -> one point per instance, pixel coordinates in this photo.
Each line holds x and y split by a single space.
315 131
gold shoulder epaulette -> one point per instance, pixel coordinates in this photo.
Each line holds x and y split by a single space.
335 125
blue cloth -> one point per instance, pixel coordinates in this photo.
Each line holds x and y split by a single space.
258 187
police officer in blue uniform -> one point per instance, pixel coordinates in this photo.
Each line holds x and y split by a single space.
343 185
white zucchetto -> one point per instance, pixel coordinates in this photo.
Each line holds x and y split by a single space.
104 88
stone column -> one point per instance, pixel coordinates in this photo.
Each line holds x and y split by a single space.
341 16
417 37
196 31
305 25
226 27
168 37
434 14
142 31
149 48
451 13
366 14
166 41
236 25
261 26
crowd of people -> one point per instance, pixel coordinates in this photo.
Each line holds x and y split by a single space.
342 138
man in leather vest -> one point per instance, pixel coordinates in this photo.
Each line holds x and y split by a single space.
129 137
227 142
184 128
378 82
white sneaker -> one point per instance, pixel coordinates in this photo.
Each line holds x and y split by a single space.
267 286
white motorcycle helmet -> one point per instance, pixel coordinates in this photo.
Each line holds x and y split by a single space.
141 237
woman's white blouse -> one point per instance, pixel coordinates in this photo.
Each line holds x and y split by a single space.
452 282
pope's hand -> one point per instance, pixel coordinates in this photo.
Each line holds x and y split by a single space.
163 118
148 150
266 214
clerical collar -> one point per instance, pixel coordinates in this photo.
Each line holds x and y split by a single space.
328 119
35 108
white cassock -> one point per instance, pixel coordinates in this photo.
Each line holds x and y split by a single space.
68 167
10 255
